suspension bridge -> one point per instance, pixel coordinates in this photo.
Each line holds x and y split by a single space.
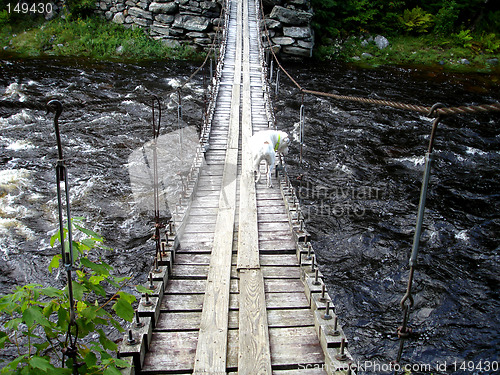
235 287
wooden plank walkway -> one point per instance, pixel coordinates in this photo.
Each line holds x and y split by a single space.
237 291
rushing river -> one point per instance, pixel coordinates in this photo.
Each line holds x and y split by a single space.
359 182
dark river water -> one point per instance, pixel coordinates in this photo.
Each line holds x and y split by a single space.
359 182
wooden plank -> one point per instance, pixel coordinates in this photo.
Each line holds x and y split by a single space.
192 259
283 235
254 354
188 286
286 301
277 245
248 245
283 285
274 226
179 321
190 271
211 350
290 318
295 345
162 355
279 260
281 272
182 302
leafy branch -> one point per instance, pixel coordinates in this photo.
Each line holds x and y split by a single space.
37 319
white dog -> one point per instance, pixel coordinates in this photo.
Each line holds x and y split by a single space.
264 146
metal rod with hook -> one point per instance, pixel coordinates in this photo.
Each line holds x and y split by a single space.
156 194
407 300
66 256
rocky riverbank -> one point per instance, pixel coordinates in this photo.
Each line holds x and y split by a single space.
196 22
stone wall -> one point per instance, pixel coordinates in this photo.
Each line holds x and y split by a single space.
289 25
195 22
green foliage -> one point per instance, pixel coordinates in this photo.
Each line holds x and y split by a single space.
446 17
464 38
491 22
416 20
4 18
80 8
490 42
89 37
37 319
361 13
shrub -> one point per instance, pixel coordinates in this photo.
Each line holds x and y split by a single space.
416 20
36 319
446 17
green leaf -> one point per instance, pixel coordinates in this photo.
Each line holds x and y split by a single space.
105 342
13 323
142 289
42 346
52 292
54 238
111 370
3 339
91 359
90 312
100 269
78 290
41 363
124 309
34 313
121 363
54 263
89 233
63 318
15 363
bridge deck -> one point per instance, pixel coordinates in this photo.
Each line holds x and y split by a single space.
240 296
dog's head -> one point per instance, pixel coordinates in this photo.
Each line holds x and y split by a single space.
284 142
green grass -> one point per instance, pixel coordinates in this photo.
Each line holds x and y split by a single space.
91 37
427 50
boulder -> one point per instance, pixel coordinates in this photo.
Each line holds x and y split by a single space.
283 40
190 9
143 4
140 13
381 42
290 16
297 32
119 18
210 8
142 21
271 24
159 28
165 18
165 8
297 51
305 44
191 23
171 43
